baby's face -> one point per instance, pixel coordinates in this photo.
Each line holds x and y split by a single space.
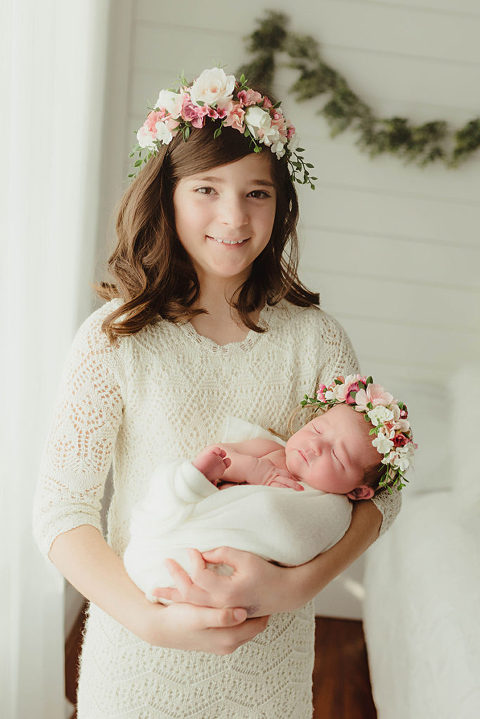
332 451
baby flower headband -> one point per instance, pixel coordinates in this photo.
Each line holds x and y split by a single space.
392 433
231 103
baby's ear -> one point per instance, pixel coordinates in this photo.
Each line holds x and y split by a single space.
362 492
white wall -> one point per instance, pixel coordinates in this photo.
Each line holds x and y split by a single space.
393 249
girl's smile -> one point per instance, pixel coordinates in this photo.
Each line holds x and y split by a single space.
224 217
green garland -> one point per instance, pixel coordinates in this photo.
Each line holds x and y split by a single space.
420 144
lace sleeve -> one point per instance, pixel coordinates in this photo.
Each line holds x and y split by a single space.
340 357
78 451
341 360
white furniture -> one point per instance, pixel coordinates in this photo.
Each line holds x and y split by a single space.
422 579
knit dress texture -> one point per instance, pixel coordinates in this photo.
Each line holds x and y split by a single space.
164 393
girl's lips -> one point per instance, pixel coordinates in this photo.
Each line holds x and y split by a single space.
227 243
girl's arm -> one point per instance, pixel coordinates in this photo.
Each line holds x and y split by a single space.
68 503
86 560
264 588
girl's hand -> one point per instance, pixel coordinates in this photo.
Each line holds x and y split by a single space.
204 629
257 585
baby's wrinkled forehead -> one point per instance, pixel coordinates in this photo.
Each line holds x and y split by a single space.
349 423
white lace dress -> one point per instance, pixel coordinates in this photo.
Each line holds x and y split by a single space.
165 392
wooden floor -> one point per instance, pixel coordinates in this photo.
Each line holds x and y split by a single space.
341 684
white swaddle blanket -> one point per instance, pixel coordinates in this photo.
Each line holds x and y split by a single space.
183 509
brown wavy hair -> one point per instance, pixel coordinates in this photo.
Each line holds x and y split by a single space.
153 273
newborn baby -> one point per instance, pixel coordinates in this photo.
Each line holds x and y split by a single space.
328 461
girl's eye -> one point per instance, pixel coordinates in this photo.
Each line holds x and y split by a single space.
258 194
205 190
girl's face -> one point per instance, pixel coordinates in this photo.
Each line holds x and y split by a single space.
332 453
224 217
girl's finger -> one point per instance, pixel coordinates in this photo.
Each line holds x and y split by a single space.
226 617
221 555
196 559
180 577
170 593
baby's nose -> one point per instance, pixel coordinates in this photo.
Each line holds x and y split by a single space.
318 445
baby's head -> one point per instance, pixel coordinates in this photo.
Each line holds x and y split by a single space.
362 443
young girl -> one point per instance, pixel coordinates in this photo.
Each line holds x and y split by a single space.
206 314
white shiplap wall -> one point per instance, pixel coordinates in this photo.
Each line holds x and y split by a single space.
393 249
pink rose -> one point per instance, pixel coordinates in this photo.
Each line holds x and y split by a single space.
404 412
224 108
235 118
400 440
375 394
290 131
352 387
321 392
267 103
152 119
193 113
249 97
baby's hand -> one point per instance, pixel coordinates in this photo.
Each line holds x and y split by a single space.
282 478
212 462
268 474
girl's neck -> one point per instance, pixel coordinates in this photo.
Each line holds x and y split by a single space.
222 324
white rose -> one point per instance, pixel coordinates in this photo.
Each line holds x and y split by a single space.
212 86
145 137
256 118
352 378
171 101
379 415
401 462
402 425
338 393
271 136
163 133
382 444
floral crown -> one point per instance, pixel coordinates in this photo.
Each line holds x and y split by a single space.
393 437
222 98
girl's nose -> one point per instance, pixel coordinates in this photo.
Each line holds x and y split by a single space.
233 213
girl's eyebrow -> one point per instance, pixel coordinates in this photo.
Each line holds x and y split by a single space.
213 178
